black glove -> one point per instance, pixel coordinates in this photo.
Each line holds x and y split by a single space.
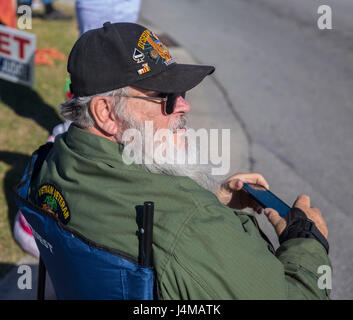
299 226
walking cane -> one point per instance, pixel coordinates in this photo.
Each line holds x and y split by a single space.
147 234
41 280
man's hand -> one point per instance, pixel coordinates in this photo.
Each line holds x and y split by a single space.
303 203
231 194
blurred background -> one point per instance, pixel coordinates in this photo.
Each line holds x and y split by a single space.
282 85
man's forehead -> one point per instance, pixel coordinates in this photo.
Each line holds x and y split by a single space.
145 91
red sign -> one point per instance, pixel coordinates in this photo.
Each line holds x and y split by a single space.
17 49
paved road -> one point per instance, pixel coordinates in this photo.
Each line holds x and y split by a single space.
290 84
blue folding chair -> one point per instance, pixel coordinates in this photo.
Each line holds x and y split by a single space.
78 267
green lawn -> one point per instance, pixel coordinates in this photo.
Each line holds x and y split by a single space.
27 116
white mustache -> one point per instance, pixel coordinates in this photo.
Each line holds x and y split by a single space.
179 123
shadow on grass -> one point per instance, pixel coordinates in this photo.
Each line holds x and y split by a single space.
5 268
18 163
27 103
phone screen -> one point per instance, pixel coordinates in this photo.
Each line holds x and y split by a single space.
266 198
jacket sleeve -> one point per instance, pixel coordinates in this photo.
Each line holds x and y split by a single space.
220 254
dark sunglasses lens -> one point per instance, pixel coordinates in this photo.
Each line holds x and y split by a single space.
169 109
170 103
163 95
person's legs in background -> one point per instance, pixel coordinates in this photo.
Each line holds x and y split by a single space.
50 13
53 14
93 13
24 2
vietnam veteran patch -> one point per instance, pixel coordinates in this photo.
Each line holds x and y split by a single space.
52 200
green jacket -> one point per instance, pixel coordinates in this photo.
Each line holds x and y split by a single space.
201 248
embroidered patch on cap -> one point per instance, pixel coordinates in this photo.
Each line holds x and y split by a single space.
52 200
145 69
151 45
138 56
154 54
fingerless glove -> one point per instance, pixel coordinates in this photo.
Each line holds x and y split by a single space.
299 226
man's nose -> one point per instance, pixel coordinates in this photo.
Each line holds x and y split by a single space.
181 106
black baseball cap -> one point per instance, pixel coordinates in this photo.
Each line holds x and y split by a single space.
128 54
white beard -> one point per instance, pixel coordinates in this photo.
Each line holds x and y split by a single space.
200 173
176 166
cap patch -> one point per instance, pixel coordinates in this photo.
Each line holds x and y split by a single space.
157 51
52 200
133 55
145 69
153 54
138 56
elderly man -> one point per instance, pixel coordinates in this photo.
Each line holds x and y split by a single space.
203 247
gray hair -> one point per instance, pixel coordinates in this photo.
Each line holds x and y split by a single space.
77 109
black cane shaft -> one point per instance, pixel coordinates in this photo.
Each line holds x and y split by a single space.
41 280
148 212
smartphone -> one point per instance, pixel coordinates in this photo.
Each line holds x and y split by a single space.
265 198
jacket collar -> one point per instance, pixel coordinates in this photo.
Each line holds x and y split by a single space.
94 147
98 148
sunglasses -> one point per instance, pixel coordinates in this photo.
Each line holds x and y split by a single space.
169 100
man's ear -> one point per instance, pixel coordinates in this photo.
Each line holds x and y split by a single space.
102 111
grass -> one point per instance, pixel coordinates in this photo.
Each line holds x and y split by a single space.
27 116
